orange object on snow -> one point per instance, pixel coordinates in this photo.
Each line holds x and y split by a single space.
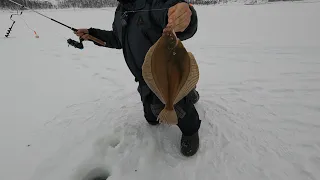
36 35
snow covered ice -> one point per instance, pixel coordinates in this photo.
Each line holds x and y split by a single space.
69 114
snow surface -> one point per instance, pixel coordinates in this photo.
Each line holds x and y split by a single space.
69 114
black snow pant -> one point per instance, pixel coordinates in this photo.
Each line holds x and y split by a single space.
188 117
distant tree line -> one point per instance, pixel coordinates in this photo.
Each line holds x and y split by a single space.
86 3
36 4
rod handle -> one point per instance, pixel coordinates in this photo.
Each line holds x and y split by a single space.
97 40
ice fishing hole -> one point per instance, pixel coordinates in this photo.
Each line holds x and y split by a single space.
97 174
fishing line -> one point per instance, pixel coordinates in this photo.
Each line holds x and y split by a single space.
71 42
145 10
10 28
35 33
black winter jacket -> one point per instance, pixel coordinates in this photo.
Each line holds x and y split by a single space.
137 26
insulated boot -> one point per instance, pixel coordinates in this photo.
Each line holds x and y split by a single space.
189 144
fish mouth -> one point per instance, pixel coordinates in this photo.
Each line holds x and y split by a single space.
171 38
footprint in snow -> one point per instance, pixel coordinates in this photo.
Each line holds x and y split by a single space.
102 145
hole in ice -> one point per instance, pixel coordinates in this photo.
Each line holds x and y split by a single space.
97 174
114 142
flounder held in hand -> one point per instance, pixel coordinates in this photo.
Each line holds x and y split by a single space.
171 73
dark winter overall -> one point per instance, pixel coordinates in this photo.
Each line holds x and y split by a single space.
136 27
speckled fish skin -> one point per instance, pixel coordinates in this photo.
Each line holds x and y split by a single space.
166 70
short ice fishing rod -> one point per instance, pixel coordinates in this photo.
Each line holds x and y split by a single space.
70 41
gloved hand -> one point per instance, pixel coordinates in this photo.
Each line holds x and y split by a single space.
179 17
83 34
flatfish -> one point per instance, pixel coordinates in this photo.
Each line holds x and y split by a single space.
171 72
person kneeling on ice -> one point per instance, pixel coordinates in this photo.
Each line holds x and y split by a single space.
137 26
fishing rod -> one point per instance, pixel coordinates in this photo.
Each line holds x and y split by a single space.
71 42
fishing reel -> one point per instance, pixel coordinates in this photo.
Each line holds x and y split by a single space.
75 44
10 29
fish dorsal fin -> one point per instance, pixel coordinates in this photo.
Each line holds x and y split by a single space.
148 74
191 81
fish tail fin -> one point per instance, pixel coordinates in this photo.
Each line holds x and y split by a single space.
168 117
